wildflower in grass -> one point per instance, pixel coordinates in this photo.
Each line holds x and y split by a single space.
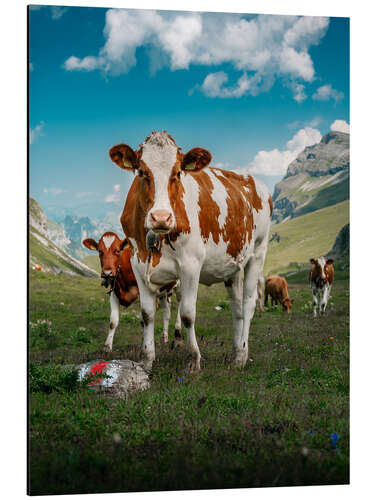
311 432
335 439
117 437
218 308
305 451
331 338
179 379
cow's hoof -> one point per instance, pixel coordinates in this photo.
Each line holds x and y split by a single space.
107 348
147 364
164 339
178 342
193 366
239 359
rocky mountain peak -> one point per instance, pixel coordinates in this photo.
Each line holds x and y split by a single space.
320 172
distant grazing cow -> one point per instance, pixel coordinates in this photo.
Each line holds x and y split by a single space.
117 272
214 224
260 290
277 288
321 279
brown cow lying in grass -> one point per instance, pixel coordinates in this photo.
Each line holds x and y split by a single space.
277 287
117 272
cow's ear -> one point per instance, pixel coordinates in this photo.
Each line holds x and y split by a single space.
313 261
124 157
124 244
330 261
196 159
90 244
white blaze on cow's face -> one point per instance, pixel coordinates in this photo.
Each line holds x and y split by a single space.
159 153
322 263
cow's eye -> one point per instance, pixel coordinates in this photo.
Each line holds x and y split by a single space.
179 175
140 173
100 252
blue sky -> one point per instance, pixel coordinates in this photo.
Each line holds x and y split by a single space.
254 90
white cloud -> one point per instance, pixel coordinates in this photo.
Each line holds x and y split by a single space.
340 126
54 191
326 92
262 48
276 162
298 91
314 122
36 132
88 63
57 12
115 196
213 85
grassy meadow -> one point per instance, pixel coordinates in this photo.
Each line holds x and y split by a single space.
270 424
310 235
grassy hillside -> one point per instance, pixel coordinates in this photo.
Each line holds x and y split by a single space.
52 259
310 235
92 261
326 198
269 424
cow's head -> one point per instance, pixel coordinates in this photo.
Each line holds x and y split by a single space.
287 304
160 165
319 270
109 247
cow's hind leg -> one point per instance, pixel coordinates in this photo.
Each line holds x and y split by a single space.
315 300
253 270
114 319
166 304
234 287
178 338
189 292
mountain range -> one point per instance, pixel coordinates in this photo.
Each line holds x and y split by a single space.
47 241
317 178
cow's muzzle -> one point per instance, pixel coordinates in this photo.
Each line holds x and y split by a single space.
161 221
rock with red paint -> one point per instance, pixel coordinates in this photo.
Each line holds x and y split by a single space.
117 377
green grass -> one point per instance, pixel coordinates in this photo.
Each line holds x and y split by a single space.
310 235
269 424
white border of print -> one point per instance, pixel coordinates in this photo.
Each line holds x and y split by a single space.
13 256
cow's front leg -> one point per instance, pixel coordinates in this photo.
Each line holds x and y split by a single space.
113 322
166 304
189 292
315 300
148 301
325 298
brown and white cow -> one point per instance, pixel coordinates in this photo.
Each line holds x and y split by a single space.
117 272
321 279
277 288
215 224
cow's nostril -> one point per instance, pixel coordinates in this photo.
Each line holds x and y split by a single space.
107 272
161 217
